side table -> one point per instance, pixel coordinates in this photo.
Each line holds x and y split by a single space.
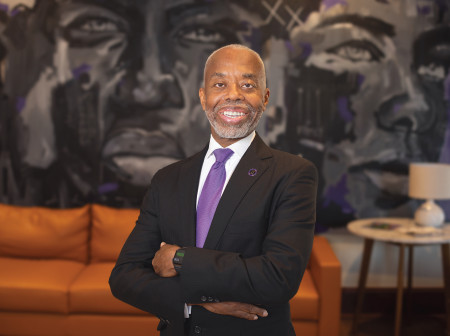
403 233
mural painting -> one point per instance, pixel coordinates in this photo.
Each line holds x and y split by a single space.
98 95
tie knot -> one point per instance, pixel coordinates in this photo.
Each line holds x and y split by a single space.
222 154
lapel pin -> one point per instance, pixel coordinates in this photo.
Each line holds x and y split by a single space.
252 172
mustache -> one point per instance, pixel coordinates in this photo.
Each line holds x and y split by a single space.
235 104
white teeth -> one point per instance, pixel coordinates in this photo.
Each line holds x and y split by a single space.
233 114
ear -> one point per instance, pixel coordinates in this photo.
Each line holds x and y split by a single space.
266 97
201 94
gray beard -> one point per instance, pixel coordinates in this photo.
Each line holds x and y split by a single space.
235 131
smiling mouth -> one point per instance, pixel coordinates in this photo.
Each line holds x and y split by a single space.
231 114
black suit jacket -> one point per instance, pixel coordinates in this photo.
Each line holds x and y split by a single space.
256 250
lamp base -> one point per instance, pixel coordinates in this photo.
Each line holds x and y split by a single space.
429 214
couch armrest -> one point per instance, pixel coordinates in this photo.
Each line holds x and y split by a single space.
326 272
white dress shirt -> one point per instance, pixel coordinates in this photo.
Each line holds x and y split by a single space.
239 148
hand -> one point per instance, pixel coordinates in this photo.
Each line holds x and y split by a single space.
237 309
162 262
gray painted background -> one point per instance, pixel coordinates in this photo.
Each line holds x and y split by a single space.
97 95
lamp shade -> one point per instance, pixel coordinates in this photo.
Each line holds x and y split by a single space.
429 181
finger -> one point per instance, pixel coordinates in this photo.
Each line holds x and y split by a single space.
252 309
258 311
162 244
245 315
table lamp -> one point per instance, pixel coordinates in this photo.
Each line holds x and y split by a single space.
429 181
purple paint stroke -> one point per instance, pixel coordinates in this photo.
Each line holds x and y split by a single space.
253 38
78 71
336 194
4 7
108 187
330 3
445 152
289 46
396 108
424 10
306 49
20 104
319 228
15 11
344 111
360 80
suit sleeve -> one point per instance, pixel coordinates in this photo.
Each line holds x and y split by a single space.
133 279
273 276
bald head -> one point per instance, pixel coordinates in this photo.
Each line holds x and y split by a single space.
233 48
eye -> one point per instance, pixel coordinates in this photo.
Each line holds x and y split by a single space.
219 85
248 86
202 34
88 31
432 72
357 51
99 25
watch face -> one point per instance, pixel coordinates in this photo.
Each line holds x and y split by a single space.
178 259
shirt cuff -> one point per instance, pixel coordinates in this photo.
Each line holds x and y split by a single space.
187 311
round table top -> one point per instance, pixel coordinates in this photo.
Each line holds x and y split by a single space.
399 231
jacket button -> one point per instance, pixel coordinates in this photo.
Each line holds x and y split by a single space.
210 299
203 298
197 329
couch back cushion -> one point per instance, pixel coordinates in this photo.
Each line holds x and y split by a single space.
110 229
44 233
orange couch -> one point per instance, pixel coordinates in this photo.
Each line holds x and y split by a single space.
55 264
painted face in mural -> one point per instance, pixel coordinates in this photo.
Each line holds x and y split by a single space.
111 92
362 114
235 94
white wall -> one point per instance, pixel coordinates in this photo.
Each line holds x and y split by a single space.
427 268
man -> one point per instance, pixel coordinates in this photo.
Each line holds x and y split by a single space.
357 108
105 102
237 280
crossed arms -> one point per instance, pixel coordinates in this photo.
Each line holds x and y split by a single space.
145 278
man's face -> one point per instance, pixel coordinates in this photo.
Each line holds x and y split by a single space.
120 79
362 115
235 94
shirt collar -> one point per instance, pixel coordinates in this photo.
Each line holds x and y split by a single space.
239 147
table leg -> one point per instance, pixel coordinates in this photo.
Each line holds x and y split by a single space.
445 248
398 310
368 244
409 288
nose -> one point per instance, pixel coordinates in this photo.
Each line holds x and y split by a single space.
234 92
407 111
156 86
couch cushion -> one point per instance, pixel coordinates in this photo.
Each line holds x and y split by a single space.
305 304
110 229
35 232
90 293
36 285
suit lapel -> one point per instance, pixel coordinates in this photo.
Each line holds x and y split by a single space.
190 175
249 170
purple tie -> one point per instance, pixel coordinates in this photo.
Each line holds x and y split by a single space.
211 192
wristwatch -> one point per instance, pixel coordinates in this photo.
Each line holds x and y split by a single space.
178 259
